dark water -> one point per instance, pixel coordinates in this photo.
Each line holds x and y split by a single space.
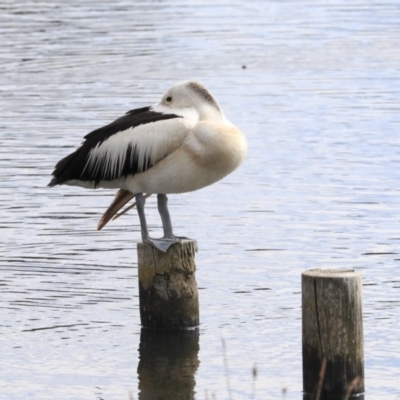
319 101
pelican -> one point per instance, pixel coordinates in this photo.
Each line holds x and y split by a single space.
182 144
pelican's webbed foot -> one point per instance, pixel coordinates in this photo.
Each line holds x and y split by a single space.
162 244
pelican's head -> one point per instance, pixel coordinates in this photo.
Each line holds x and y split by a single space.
192 94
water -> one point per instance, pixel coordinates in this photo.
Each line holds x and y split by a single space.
315 87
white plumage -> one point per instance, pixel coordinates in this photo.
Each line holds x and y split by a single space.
182 144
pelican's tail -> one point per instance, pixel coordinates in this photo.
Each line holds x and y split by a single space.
120 199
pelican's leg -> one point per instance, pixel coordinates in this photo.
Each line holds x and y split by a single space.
162 202
140 202
164 243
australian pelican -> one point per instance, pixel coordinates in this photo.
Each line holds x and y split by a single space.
182 144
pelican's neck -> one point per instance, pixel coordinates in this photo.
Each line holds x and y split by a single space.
209 113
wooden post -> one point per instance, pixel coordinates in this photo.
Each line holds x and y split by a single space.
333 353
167 286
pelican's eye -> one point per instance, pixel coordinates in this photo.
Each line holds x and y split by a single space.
168 100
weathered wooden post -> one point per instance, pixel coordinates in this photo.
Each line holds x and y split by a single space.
167 286
332 334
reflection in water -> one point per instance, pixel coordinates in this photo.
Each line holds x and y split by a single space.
326 396
168 361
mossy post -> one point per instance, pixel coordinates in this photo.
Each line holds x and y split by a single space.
167 286
333 348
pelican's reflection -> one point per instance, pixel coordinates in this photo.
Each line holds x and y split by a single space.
167 364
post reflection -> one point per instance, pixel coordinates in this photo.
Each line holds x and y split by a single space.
331 396
168 361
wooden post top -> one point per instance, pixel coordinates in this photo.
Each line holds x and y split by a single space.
331 273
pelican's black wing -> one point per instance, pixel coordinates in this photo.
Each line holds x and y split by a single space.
76 167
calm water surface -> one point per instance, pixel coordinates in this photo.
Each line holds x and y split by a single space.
319 101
